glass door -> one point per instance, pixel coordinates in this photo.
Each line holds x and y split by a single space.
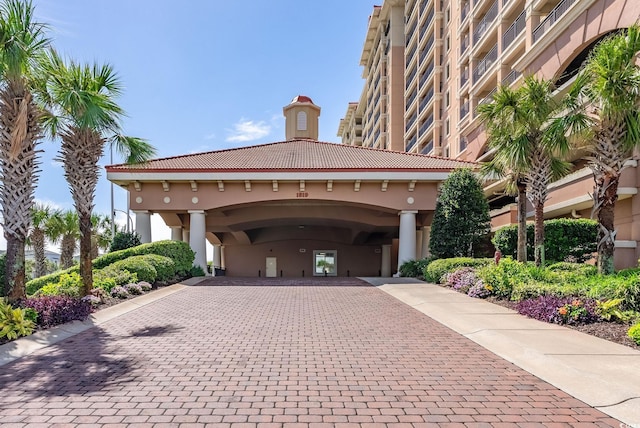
325 262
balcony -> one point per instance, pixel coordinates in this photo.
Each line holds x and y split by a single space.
464 76
486 63
427 23
426 125
464 12
514 30
427 48
464 45
412 142
423 5
410 77
427 73
483 25
463 144
511 77
410 33
486 100
464 110
551 19
411 98
411 121
410 55
426 99
428 148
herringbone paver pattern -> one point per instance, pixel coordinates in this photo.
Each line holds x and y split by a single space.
334 353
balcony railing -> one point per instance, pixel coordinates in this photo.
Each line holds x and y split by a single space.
427 148
426 124
463 143
423 5
412 142
410 77
464 110
514 30
485 64
410 55
483 25
410 33
511 77
412 97
486 100
427 48
411 121
426 99
464 12
464 45
551 19
464 76
427 73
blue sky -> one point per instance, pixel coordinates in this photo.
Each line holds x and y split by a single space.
207 75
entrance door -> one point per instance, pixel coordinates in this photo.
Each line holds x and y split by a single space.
325 263
272 267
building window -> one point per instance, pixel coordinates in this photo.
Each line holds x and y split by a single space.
447 15
447 71
447 43
447 127
302 121
446 99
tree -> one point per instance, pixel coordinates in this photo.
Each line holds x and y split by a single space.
461 217
65 229
101 237
21 41
39 233
528 145
123 240
606 96
83 112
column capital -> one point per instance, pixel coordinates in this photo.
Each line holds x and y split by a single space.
141 211
196 212
408 212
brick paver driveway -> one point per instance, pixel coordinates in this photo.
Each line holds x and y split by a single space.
278 353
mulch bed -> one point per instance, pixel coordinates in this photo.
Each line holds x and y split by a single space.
610 331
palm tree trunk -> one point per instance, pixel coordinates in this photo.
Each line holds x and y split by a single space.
14 286
605 196
38 242
522 221
86 272
538 241
68 247
94 246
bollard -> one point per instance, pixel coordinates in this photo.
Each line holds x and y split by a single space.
259 273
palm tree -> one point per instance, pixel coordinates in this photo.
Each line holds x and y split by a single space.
528 144
40 220
80 100
21 41
606 94
65 229
101 236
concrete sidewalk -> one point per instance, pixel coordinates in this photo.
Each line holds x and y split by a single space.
603 374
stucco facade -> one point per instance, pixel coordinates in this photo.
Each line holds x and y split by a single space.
456 53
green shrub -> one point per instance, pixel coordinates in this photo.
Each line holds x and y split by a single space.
140 266
2 270
124 240
103 283
119 275
165 267
580 268
634 333
69 284
629 292
178 251
196 271
564 239
15 322
437 268
37 283
414 268
502 278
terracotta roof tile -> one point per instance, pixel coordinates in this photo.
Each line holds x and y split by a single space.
297 155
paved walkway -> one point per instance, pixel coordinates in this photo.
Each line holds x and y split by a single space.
316 352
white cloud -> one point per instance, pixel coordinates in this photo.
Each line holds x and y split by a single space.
248 130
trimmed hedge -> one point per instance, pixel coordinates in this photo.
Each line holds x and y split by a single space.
178 251
437 268
165 267
564 238
139 265
37 283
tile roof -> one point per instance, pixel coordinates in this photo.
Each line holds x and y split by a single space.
296 155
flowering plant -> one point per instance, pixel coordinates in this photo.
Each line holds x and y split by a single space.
133 288
145 286
119 292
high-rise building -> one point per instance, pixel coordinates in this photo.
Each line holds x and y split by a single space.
429 64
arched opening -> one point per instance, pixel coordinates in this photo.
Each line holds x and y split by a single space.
302 121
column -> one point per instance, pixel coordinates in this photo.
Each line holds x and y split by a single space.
407 238
419 243
197 238
426 237
143 226
385 267
185 235
222 258
217 256
176 233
